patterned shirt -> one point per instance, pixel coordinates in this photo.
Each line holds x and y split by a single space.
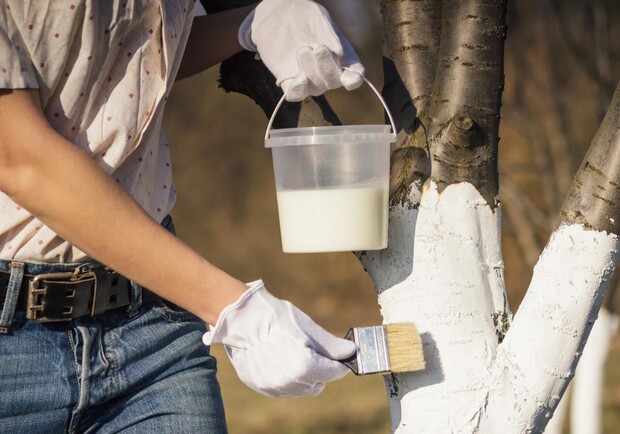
103 69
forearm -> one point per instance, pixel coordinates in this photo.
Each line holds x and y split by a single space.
80 202
213 38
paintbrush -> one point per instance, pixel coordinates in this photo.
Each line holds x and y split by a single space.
386 348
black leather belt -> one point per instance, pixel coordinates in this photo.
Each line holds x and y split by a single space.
66 295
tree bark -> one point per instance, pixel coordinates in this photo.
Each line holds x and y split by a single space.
594 197
411 31
463 119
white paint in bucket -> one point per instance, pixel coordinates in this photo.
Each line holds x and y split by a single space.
319 174
333 220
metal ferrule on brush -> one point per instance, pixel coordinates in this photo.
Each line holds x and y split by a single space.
372 355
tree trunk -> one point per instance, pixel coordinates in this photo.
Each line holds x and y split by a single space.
443 268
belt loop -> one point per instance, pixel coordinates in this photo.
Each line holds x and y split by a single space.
135 300
168 224
12 294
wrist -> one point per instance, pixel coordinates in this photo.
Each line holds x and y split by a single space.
218 291
244 34
231 294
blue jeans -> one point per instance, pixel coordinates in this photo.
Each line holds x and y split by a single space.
137 369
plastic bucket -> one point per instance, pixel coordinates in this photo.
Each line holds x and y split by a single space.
332 185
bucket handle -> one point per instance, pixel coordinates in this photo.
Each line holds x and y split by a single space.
387 110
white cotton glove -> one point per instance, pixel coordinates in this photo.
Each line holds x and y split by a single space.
275 348
302 47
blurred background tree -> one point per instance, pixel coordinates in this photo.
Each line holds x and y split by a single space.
562 63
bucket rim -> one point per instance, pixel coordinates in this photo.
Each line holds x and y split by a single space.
330 134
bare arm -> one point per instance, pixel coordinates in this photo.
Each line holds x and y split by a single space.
213 38
79 201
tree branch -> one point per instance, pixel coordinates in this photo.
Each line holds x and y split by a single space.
594 196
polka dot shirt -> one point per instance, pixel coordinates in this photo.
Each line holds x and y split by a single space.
104 70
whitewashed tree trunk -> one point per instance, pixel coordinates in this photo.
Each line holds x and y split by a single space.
556 424
453 289
477 379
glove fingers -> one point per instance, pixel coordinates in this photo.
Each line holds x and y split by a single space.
320 68
331 346
326 370
306 367
307 68
320 340
328 69
276 373
295 89
354 78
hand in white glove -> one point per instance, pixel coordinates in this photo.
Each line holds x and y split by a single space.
275 348
302 47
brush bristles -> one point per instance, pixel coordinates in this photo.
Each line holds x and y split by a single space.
404 347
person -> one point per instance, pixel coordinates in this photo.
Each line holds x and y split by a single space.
103 311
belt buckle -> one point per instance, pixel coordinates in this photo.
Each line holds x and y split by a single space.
37 289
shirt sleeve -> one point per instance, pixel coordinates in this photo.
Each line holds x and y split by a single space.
16 68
